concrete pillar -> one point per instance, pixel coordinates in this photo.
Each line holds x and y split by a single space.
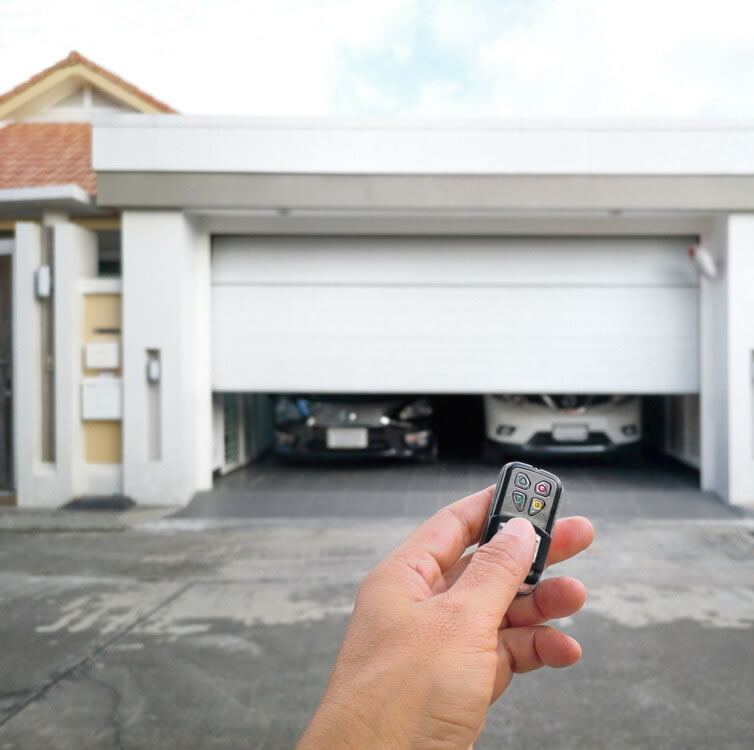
739 277
727 382
38 482
35 480
75 259
713 399
167 423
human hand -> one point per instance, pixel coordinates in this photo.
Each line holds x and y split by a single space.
435 637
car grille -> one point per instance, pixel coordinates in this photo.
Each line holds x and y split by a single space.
569 400
544 439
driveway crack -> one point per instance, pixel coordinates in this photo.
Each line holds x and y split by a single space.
42 690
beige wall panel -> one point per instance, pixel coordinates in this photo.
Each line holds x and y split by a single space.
101 321
102 442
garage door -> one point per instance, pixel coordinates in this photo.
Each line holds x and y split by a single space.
454 315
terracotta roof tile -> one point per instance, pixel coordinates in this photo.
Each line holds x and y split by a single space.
39 154
75 58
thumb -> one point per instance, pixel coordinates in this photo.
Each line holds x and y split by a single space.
497 569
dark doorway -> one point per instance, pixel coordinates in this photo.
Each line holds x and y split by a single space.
6 407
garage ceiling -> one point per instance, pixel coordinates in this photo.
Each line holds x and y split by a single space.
454 314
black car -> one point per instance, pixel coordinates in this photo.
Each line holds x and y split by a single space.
354 425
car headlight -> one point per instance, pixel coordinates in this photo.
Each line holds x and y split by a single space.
417 439
415 410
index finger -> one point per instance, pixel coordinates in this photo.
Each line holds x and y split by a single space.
447 534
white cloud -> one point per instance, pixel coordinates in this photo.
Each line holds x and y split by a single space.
658 58
472 58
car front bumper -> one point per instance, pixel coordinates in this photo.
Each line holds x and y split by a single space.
388 441
543 444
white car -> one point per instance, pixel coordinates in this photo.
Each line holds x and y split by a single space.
569 423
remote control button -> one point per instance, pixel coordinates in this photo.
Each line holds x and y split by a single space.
522 481
543 488
535 506
519 500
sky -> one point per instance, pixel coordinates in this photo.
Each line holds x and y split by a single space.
404 58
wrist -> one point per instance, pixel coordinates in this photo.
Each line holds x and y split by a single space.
336 726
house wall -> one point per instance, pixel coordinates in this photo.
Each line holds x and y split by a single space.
739 281
166 289
40 482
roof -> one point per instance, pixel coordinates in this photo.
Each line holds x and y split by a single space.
77 59
36 154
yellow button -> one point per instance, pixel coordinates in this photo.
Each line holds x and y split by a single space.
537 504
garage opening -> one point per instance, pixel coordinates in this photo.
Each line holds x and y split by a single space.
491 429
255 479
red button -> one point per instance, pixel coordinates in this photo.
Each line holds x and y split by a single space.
543 488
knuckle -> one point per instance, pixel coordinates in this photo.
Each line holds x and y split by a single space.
370 584
451 605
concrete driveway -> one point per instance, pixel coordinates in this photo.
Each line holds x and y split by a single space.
654 488
220 632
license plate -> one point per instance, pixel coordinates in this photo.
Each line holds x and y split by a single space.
570 433
347 437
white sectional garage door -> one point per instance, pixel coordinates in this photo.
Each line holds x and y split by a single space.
454 315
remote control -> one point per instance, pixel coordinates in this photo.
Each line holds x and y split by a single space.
524 491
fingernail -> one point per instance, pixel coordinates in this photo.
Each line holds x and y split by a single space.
520 527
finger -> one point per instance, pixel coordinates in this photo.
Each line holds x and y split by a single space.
442 539
569 537
526 649
553 598
496 570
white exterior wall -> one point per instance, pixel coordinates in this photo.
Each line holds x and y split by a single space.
166 289
739 277
42 483
37 482
713 398
75 259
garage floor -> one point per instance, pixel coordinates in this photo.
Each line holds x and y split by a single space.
655 488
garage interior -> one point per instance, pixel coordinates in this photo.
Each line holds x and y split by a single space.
454 318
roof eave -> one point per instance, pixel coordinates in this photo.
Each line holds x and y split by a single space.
29 202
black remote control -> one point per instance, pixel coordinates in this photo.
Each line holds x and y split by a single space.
524 491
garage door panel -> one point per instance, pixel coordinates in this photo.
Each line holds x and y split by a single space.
455 339
475 261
